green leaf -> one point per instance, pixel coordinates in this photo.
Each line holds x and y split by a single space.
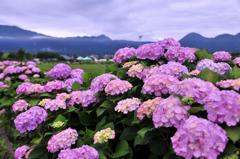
59 121
39 152
233 133
128 133
36 140
235 72
122 149
143 131
102 156
34 102
140 140
195 110
203 54
209 75
100 111
76 86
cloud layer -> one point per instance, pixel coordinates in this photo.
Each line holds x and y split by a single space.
123 19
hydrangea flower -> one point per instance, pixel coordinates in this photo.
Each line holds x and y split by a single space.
116 87
23 77
180 54
127 105
20 105
220 68
147 108
151 51
170 112
62 140
236 61
223 106
135 71
43 102
54 86
21 152
234 84
169 42
124 54
129 64
76 75
59 71
63 96
199 138
29 88
104 135
222 56
84 152
30 119
99 83
55 104
83 98
194 87
35 70
3 85
36 76
158 84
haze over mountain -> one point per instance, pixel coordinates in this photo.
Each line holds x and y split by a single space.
12 38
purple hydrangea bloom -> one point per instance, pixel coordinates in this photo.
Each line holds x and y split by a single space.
55 104
169 42
151 51
59 71
194 87
54 86
116 87
20 105
222 56
36 70
124 54
29 88
10 70
3 85
84 152
220 68
83 98
30 119
223 106
158 84
170 112
21 152
199 138
99 83
31 64
180 54
236 61
23 77
62 140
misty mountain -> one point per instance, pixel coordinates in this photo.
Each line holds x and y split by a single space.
12 38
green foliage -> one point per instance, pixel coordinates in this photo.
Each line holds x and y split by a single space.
209 75
203 54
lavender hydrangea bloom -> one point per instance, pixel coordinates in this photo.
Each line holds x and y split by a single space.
29 88
54 86
99 83
180 54
30 119
116 87
222 56
20 105
20 152
127 105
55 104
170 112
199 138
10 70
158 84
151 51
236 61
124 54
223 106
35 70
62 140
23 77
233 84
220 68
3 85
59 71
83 98
194 87
169 42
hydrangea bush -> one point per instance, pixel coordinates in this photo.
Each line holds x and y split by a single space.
161 100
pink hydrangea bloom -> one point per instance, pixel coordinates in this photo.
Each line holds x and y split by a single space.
55 104
20 105
21 152
116 87
29 88
127 105
54 86
170 112
135 71
236 61
83 98
222 56
60 71
151 51
62 140
180 54
124 54
233 84
199 138
23 77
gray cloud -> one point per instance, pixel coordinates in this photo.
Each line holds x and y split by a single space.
123 19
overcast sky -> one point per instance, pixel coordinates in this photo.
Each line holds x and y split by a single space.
123 19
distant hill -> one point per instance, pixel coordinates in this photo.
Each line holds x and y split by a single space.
226 42
12 38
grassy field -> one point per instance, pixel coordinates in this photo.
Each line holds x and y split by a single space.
93 69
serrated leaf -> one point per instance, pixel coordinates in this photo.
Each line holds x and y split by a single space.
122 149
233 133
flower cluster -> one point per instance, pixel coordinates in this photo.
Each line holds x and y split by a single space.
222 56
30 119
199 138
223 106
135 71
20 105
21 152
55 85
83 98
84 152
236 61
170 112
104 135
76 75
127 105
234 84
59 71
62 140
220 68
151 51
55 104
99 83
147 108
116 87
158 84
180 54
124 54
